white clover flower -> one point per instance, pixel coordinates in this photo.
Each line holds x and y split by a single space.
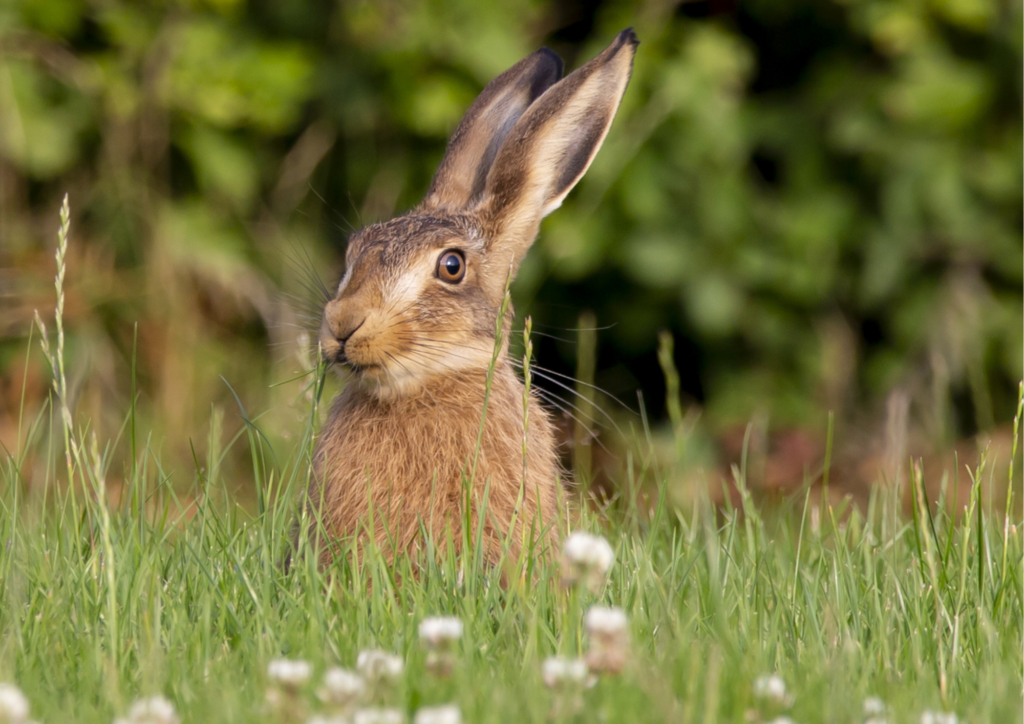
939 717
586 558
154 710
782 720
289 673
876 720
608 632
440 631
341 688
873 706
558 672
376 665
13 705
320 719
378 716
770 687
604 622
448 714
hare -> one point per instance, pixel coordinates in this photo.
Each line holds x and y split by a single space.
403 450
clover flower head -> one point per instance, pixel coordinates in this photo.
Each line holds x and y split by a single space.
873 706
341 688
440 631
152 710
770 687
558 672
447 714
939 717
378 716
321 719
289 673
13 705
606 623
586 558
608 632
378 666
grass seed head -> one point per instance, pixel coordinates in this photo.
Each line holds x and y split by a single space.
586 559
447 714
13 705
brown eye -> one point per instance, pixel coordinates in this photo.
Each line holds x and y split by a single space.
451 266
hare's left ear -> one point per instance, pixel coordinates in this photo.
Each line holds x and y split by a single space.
475 143
549 150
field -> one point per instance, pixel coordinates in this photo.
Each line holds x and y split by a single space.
175 589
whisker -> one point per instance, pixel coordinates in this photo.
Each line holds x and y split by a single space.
580 410
437 354
554 400
540 372
546 371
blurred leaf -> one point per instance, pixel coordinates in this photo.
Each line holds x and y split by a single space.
939 92
60 18
39 122
230 80
657 261
976 15
436 106
714 304
222 164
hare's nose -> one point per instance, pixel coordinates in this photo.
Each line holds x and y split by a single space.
341 320
344 337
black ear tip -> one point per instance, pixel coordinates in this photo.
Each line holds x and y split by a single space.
553 58
628 36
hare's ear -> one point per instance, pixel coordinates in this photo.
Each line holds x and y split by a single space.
551 148
463 170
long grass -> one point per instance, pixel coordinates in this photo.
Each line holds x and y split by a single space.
173 588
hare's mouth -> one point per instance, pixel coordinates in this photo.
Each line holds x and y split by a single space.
363 368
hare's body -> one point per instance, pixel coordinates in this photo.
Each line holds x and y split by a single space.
414 318
419 451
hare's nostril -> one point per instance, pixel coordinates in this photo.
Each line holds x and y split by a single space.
343 339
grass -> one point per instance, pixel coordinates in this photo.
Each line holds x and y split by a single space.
175 589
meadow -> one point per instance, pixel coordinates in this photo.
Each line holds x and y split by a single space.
173 588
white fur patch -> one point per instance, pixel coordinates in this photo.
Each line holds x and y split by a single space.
406 289
344 281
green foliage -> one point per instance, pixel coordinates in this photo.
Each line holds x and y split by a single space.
824 199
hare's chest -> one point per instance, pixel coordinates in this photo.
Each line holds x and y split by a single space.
398 443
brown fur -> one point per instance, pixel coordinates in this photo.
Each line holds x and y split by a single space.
399 453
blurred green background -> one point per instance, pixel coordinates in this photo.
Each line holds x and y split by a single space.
820 199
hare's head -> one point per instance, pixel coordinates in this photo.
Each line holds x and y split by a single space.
421 292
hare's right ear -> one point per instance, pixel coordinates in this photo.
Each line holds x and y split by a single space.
460 177
549 150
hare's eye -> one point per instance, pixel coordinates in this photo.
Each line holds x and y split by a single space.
451 266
